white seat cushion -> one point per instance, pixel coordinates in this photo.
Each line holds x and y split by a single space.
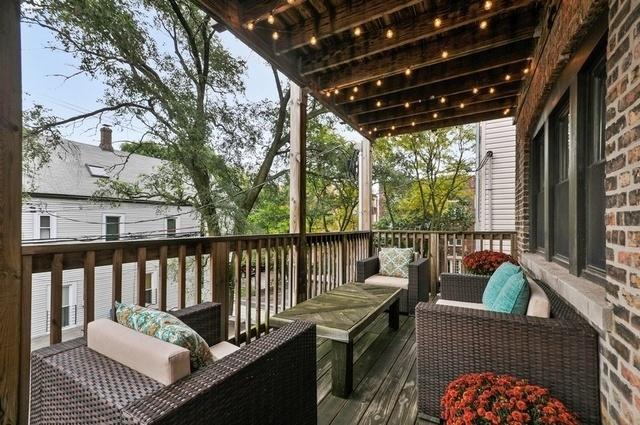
395 282
157 359
222 349
452 303
539 304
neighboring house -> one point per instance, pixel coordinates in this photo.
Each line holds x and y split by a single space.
60 206
496 177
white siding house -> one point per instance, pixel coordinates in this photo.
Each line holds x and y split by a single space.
496 176
59 206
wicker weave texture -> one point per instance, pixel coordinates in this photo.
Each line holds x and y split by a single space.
559 353
270 381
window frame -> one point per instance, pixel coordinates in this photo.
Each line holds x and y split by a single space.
175 229
73 303
121 232
53 226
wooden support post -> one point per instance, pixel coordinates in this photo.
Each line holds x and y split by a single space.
364 186
219 260
298 187
11 303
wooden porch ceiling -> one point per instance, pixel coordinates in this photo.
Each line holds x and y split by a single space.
394 66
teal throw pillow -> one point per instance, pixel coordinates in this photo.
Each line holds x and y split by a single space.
514 296
395 261
165 327
497 282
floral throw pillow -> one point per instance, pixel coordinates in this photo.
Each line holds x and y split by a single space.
395 261
165 327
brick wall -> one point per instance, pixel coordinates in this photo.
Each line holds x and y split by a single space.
620 342
621 350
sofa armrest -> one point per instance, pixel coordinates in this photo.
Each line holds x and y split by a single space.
367 268
203 318
418 283
462 287
271 380
557 354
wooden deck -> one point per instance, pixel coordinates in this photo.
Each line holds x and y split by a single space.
384 378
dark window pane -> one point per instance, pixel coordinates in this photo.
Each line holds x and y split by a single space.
112 228
537 190
171 227
45 221
560 195
45 233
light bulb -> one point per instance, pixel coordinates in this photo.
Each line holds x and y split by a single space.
445 54
492 90
488 4
437 22
357 31
407 72
355 89
378 104
443 99
407 105
461 105
271 19
250 26
379 83
483 25
475 90
389 33
435 115
275 35
313 40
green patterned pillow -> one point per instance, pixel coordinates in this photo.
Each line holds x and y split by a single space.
166 327
395 261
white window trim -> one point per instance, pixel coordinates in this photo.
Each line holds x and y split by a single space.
36 225
104 223
73 301
166 227
154 283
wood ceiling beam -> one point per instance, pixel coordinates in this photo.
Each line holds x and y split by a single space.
450 122
483 81
434 105
450 112
469 65
346 16
256 11
412 31
430 54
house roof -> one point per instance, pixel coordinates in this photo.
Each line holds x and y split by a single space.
68 172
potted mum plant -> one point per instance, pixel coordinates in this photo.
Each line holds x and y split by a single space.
486 262
486 398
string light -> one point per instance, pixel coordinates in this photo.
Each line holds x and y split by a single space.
393 127
413 123
483 25
369 132
443 99
445 54
328 94
352 98
475 90
388 134
437 22
375 128
250 25
461 105
492 90
378 104
379 83
525 71
313 40
407 72
407 105
336 92
389 33
357 31
355 89
506 111
488 4
275 35
271 19
507 77
435 115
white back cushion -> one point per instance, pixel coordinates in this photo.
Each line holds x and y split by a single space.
539 305
157 359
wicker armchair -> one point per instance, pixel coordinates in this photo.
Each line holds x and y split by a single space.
270 381
559 353
418 288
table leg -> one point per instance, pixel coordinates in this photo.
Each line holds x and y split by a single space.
394 315
341 368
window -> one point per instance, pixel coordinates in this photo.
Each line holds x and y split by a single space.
454 242
559 127
66 305
97 171
594 191
112 227
171 227
148 289
44 227
537 192
454 266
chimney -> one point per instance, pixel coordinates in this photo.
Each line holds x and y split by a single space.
105 138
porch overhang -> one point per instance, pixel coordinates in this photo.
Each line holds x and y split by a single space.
389 67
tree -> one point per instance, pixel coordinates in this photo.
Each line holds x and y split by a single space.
423 175
164 67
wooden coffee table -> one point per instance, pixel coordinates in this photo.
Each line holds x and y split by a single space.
340 315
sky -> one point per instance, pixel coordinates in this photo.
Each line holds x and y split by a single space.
42 83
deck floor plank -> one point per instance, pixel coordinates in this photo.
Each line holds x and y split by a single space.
384 379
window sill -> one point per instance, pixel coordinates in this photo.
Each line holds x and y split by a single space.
587 297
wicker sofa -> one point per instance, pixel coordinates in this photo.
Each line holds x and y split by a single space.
414 289
559 353
270 381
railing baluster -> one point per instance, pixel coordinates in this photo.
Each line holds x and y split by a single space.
283 271
258 286
142 276
198 273
25 334
116 277
162 278
237 295
292 278
501 242
267 294
435 272
89 287
248 282
182 276
55 318
276 275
